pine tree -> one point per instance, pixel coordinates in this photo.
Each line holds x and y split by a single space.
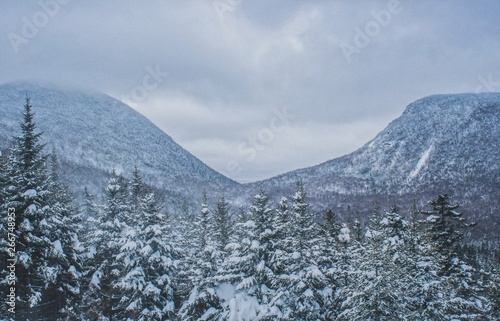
247 267
102 298
46 229
202 266
90 209
457 278
445 225
3 180
148 261
493 291
137 190
222 227
374 293
306 283
64 261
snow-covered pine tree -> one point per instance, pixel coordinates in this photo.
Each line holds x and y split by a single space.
90 208
307 285
374 293
222 227
136 192
102 298
493 291
3 180
423 290
445 228
210 239
247 267
47 265
280 259
331 224
201 266
148 261
458 278
357 229
63 224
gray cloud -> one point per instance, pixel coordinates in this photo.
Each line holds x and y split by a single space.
227 76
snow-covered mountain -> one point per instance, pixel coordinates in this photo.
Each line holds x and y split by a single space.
93 133
441 143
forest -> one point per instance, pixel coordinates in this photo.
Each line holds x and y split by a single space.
122 255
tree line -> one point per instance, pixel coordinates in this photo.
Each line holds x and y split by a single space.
127 258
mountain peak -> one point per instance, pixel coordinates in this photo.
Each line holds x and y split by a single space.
453 103
93 131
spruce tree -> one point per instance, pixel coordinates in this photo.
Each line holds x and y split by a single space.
247 267
458 278
102 298
202 266
148 261
374 293
307 285
222 228
46 227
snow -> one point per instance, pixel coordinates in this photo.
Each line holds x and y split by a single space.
30 193
208 313
344 235
421 163
130 245
243 308
225 291
58 247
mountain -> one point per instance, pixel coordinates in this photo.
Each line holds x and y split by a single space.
440 144
93 134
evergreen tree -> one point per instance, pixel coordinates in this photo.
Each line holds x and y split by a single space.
90 209
136 192
3 180
374 293
222 227
202 266
46 229
102 298
306 283
248 266
148 261
423 288
493 291
457 278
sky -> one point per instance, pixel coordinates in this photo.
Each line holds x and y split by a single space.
255 88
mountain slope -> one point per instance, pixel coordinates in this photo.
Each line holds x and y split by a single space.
441 143
94 133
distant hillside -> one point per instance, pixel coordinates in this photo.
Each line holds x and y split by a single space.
442 143
93 133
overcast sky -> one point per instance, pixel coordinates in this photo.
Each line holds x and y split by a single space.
255 88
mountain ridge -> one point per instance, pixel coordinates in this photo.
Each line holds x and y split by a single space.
91 130
440 143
